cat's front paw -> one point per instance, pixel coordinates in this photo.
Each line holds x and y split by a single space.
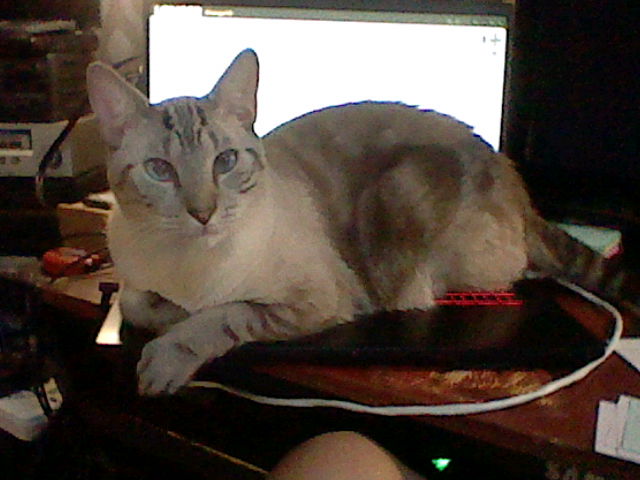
166 365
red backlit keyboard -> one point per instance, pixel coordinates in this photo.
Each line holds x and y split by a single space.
480 298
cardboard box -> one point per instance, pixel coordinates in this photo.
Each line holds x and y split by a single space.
82 226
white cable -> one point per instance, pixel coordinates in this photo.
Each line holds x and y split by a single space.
452 408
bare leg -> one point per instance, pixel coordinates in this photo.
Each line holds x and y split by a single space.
340 456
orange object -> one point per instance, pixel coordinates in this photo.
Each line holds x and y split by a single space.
64 261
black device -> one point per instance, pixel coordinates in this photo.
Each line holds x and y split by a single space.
20 352
533 333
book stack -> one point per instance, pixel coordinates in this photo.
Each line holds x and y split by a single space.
42 69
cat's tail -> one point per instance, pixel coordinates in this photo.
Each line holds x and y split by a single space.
554 252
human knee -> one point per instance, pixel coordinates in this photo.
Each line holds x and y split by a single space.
339 455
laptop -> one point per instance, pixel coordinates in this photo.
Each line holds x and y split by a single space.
534 332
452 57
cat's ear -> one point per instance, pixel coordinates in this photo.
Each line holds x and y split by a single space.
116 103
235 92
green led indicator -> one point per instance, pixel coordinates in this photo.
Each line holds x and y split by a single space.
441 463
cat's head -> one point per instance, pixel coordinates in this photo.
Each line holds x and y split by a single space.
191 166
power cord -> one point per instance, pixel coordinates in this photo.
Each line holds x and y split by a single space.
43 399
50 155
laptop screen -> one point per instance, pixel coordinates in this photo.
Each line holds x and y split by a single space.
311 58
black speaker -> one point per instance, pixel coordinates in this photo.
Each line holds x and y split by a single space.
574 126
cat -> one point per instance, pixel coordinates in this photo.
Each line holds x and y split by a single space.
223 238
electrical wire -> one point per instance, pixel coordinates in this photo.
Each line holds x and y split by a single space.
43 399
50 155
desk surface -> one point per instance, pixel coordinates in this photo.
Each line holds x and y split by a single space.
558 427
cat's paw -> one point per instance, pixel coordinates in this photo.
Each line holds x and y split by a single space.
166 365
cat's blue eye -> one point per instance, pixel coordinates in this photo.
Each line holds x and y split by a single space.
225 162
160 170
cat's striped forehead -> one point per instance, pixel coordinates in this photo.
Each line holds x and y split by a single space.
186 121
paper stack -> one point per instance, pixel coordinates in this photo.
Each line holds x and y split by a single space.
618 429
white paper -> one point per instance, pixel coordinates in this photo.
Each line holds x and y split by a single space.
109 333
618 429
631 431
21 413
629 349
605 429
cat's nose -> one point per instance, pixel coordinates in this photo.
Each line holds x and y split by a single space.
202 216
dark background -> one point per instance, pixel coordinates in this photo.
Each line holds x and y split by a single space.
575 125
85 12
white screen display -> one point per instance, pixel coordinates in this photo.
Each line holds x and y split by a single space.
311 59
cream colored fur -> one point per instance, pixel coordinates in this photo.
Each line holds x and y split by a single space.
343 211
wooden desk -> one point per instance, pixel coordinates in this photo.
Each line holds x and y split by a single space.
557 429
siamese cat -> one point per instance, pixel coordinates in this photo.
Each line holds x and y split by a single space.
223 238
